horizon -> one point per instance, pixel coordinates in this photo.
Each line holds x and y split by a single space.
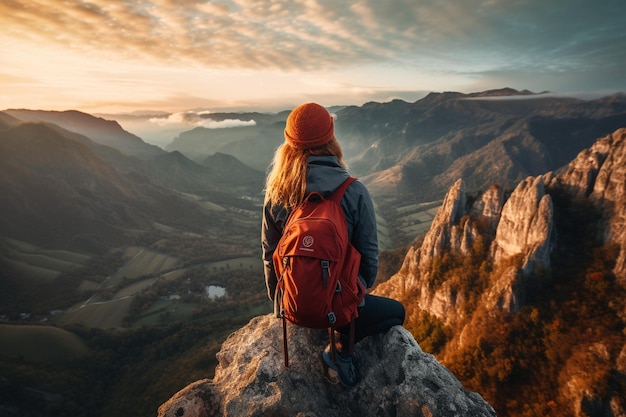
244 55
161 128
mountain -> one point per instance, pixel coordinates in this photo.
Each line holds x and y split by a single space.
420 149
7 120
253 145
128 152
409 154
102 131
416 151
62 189
57 192
397 379
521 293
233 171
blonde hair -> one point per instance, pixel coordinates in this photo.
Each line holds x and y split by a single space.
286 181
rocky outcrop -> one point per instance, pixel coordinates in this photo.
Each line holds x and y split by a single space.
397 379
525 229
449 214
587 200
599 173
525 225
519 227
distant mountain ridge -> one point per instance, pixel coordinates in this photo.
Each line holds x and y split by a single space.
253 145
411 153
105 132
418 150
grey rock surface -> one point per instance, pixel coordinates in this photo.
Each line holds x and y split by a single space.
396 379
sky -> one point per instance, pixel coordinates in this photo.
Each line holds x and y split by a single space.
121 56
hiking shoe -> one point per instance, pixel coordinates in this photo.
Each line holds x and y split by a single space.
343 367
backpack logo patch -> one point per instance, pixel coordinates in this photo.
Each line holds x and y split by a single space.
307 242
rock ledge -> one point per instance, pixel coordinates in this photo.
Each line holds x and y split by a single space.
397 379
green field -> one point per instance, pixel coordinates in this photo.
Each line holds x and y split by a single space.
398 223
167 311
40 343
101 315
110 313
143 262
40 264
134 288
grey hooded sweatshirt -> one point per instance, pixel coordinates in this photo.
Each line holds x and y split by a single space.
325 175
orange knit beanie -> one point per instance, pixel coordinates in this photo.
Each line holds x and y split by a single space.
308 126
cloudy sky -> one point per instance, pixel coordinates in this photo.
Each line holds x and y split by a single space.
173 55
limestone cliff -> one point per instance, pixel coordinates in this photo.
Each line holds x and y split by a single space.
397 379
599 173
519 229
554 244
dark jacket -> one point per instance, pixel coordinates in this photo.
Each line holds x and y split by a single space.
324 175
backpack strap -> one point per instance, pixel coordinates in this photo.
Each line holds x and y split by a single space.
285 348
278 297
337 195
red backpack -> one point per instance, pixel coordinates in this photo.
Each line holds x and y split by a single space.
317 267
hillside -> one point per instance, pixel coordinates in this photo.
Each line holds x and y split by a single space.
421 148
56 192
102 131
254 145
128 153
120 251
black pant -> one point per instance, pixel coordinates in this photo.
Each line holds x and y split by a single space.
378 315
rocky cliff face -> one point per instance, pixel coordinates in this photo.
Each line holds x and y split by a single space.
397 379
523 232
519 228
599 173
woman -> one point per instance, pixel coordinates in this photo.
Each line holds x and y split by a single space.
310 160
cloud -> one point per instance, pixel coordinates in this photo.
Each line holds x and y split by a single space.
311 34
280 49
198 119
220 124
279 34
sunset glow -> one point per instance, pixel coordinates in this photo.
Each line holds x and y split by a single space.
121 56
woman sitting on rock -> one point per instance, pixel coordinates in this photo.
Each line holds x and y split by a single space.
311 160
